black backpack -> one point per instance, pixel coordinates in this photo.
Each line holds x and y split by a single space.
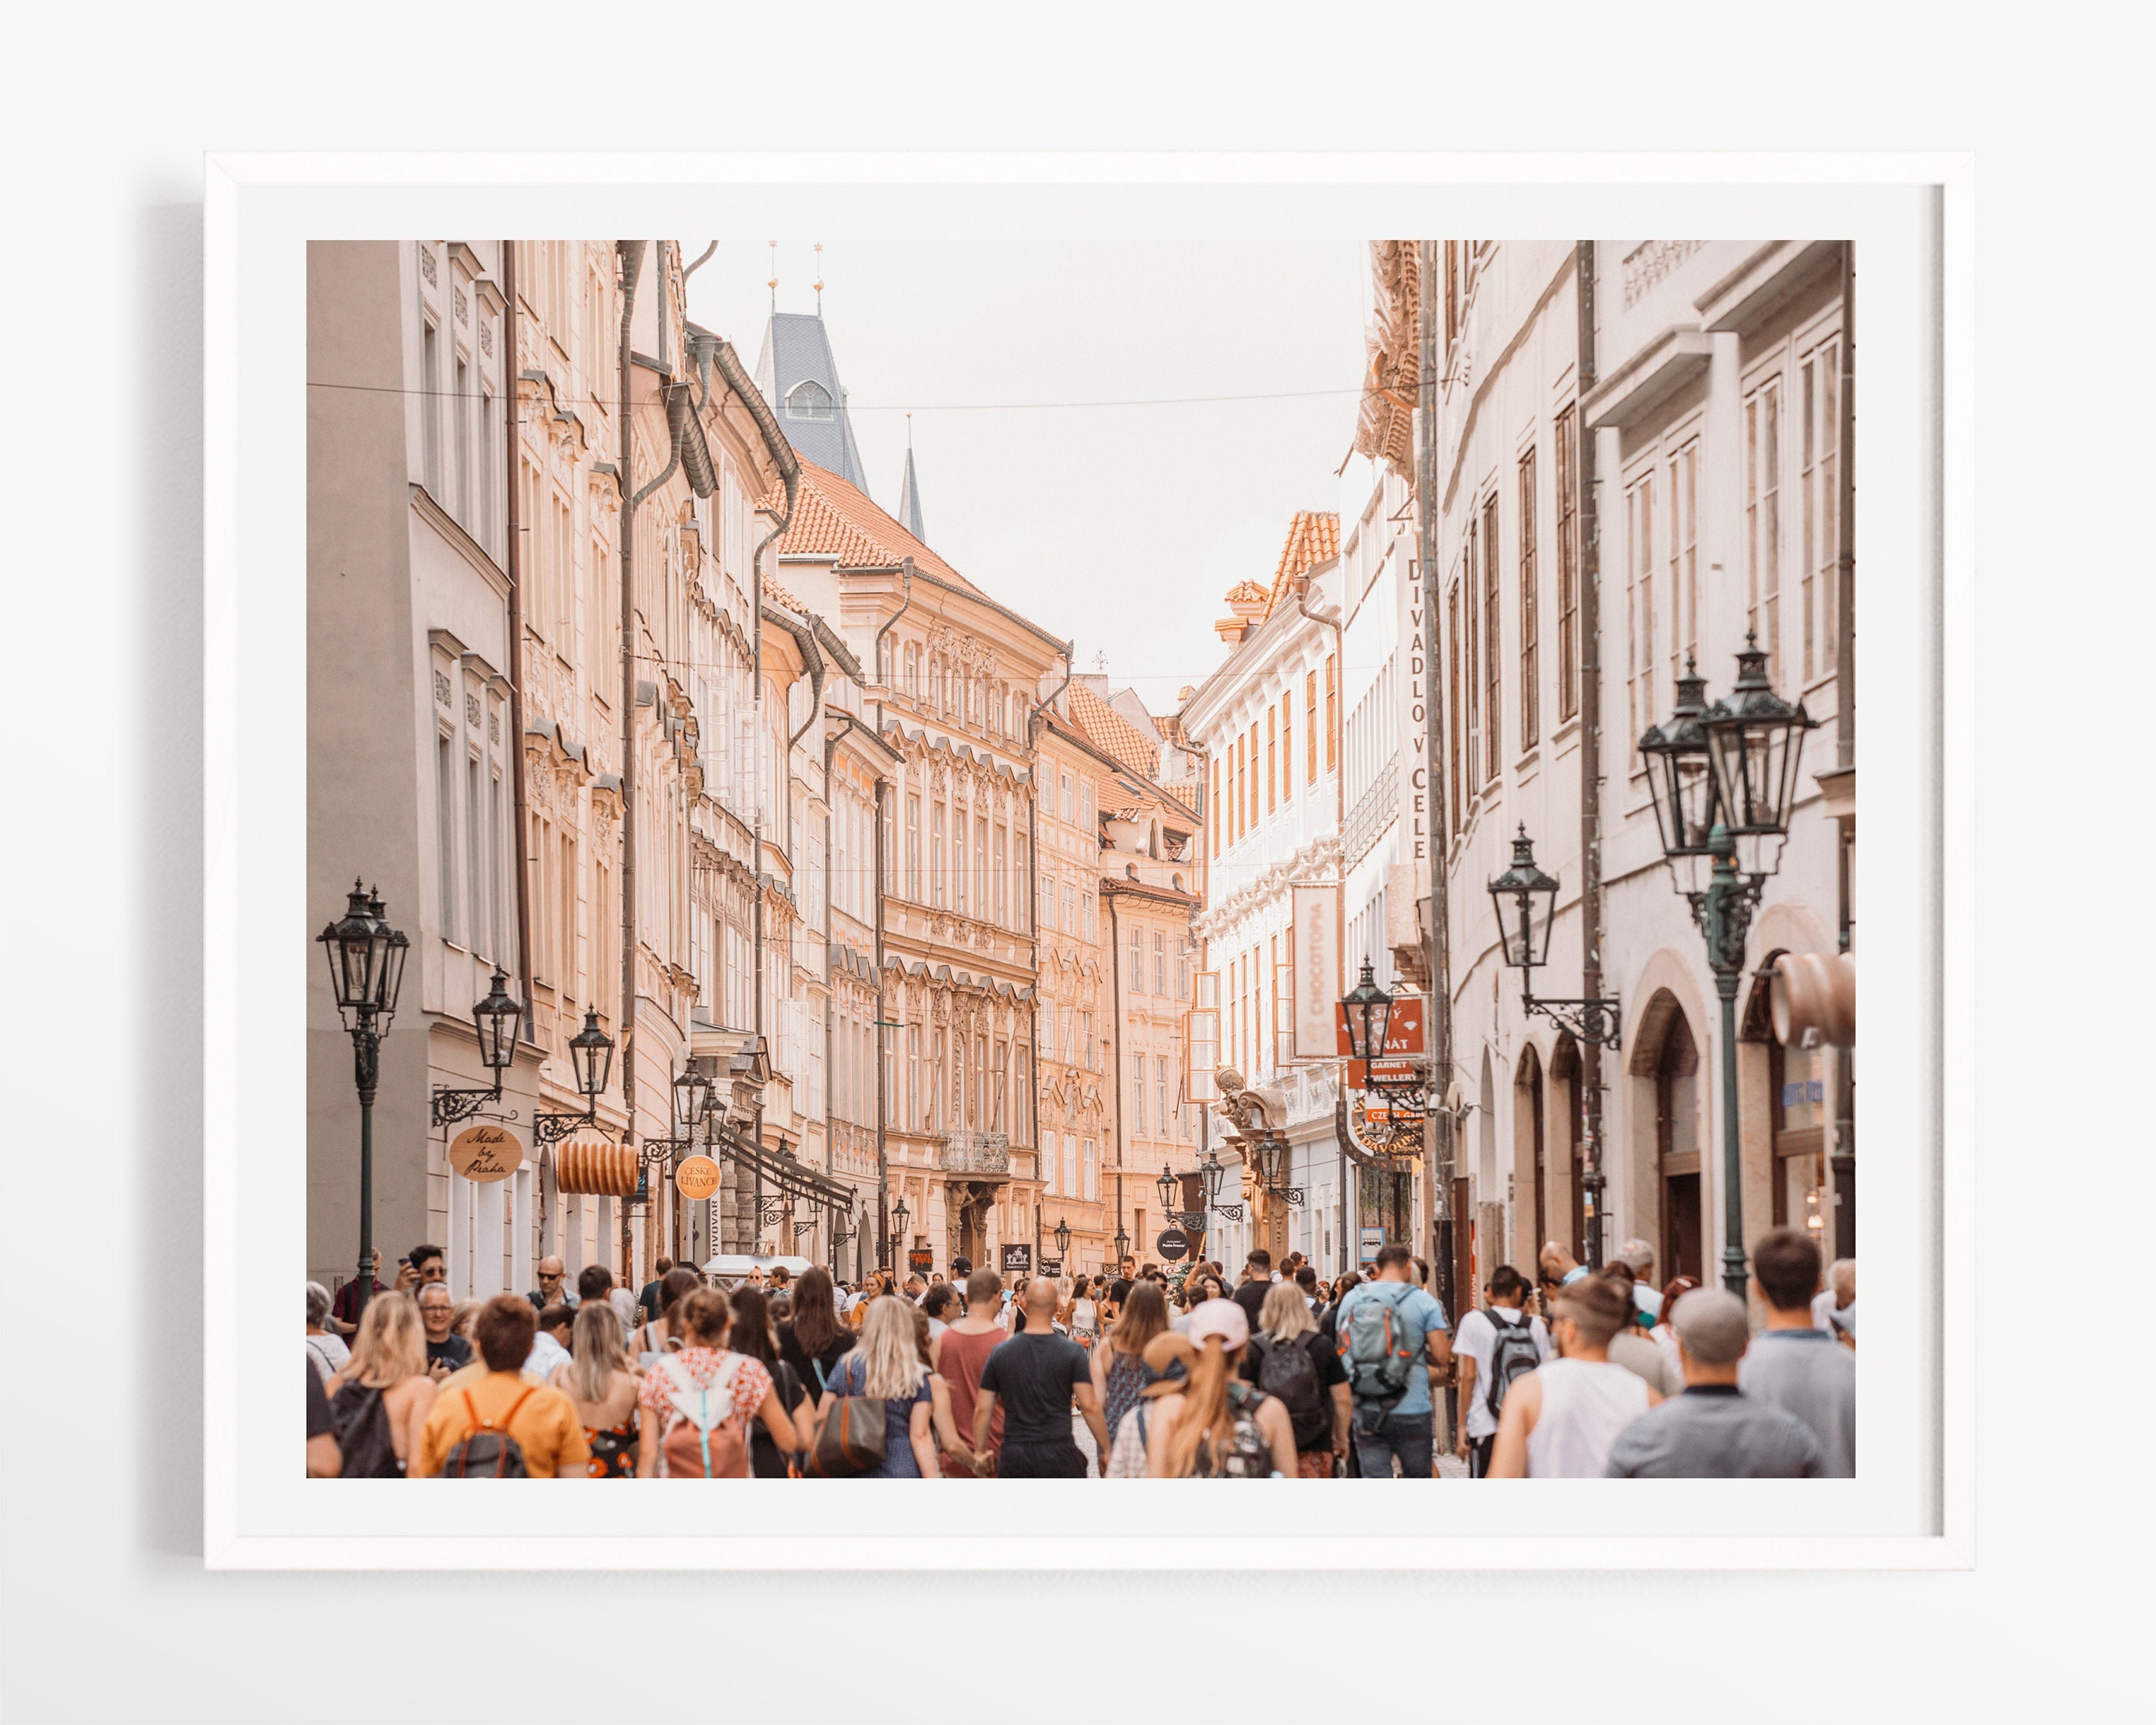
488 1452
1513 1355
1286 1370
362 1421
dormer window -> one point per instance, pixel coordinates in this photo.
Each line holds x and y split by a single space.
809 400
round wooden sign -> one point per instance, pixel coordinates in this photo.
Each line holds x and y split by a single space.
596 1166
697 1177
486 1153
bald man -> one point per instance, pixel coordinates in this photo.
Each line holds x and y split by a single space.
1033 1376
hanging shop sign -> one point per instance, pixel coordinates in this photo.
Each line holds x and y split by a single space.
1317 969
1172 1243
697 1177
596 1167
486 1153
1403 1027
1018 1260
920 1259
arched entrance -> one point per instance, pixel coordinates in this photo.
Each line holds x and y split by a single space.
1570 1184
1531 1163
1676 1152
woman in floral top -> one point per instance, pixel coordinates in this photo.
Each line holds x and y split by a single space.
703 1362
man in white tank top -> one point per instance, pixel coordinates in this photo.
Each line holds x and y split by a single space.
1560 1421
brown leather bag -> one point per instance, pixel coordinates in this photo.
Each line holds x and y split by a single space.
849 1442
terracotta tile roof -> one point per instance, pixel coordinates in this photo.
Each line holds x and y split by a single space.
1313 537
779 596
1246 590
1113 734
834 519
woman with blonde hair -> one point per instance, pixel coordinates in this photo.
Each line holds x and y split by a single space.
1313 1387
601 1387
1217 1427
380 1399
887 1366
1119 1369
1167 1360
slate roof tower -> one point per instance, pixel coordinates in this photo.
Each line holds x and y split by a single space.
799 377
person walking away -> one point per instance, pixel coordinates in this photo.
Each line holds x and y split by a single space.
550 1342
1794 1367
961 1353
1257 1282
1632 1348
595 1281
1560 1421
697 1401
1495 1348
1666 1337
1219 1427
755 1334
324 1458
1712 1430
1118 1367
887 1366
1558 1268
1290 1361
1306 1279
381 1400
601 1390
553 1289
1164 1369
1032 1376
812 1340
1328 1319
1389 1333
949 1436
648 1302
445 1352
326 1353
504 1426
656 1338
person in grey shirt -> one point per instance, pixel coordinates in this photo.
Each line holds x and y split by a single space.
1714 1431
1794 1367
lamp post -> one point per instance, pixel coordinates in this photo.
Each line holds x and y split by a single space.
591 1061
1062 1237
367 968
496 1019
1723 776
1123 1247
1215 1171
899 1218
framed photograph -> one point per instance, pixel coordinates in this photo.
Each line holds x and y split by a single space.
782 735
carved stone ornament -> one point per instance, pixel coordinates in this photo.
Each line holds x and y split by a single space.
427 264
442 687
471 709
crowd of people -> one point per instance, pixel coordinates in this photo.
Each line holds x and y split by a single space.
1149 1373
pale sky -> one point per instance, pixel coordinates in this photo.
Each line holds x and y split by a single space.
1120 526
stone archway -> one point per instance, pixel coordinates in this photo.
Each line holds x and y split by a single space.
1531 1215
1665 1091
1566 1159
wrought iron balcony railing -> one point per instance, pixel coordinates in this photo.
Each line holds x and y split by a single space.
973 1152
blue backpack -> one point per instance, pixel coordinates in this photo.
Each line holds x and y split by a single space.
1375 1347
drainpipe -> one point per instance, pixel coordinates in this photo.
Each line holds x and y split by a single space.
1340 885
830 750
514 565
1033 852
883 1102
1116 1073
876 649
1845 737
1591 907
1437 1195
630 252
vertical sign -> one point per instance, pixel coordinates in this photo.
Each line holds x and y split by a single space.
1316 970
1414 782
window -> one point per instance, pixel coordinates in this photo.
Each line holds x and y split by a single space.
1331 709
1469 667
1640 603
936 853
913 1078
463 482
486 492
1822 506
430 436
1455 791
1070 908
1568 567
1069 1186
1287 749
1250 754
1763 521
809 400
913 848
1024 867
1530 626
981 867
1085 909
1066 1031
1684 557
494 830
1213 811
1092 1169
1086 1039
1160 1093
1272 760
1085 815
1492 635
1182 971
1070 798
1137 1096
445 831
1134 971
1159 962
1002 879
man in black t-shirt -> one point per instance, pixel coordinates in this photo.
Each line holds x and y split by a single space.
647 1302
1033 1376
1257 1283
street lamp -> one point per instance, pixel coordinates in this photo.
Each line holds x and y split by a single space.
1062 1236
590 1060
692 1098
1750 743
496 1019
1215 1171
899 1218
367 968
1369 1015
1526 899
1122 1246
1170 1189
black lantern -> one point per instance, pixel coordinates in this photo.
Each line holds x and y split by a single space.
1681 773
591 1056
1369 1015
692 1098
1170 1188
899 1218
1062 1237
1214 1171
495 1017
1122 1246
1526 899
367 960
1271 1147
1755 739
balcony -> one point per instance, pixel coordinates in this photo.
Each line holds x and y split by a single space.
976 1154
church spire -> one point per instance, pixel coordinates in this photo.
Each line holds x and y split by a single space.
909 491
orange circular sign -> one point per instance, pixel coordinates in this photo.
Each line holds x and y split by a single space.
697 1177
486 1153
